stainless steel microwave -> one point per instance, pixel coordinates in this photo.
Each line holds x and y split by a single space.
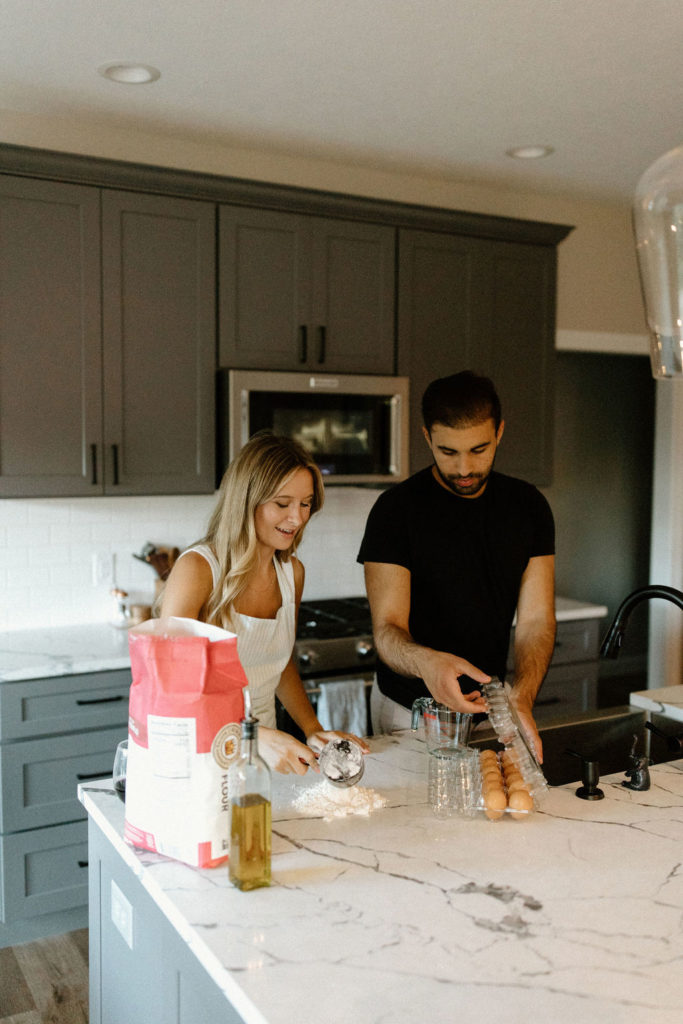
355 426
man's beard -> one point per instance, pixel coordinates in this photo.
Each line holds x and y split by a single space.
479 481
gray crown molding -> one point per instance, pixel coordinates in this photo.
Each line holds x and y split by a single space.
86 170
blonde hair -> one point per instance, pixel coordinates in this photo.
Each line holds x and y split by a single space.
256 474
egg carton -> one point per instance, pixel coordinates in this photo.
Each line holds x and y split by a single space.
516 801
457 786
510 732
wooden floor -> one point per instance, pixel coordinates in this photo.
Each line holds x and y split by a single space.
45 981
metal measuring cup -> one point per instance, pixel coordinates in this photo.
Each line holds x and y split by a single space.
342 762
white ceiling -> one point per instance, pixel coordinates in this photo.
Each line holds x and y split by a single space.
441 86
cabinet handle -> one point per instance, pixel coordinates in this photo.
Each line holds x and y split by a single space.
321 343
99 700
82 863
82 776
115 462
93 463
303 344
547 702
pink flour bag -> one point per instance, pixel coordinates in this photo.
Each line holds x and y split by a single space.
186 701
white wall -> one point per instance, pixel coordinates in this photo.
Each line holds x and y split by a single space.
47 547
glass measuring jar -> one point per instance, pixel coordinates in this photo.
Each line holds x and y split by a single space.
445 729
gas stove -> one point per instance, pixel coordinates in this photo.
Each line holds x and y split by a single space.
334 636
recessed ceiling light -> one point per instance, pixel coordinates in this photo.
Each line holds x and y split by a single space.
530 152
129 74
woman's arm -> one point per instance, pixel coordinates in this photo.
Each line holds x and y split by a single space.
188 588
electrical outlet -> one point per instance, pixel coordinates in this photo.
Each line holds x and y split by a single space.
122 914
102 569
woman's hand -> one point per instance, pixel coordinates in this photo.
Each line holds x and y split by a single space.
317 740
282 753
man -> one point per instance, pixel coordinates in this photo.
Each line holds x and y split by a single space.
450 555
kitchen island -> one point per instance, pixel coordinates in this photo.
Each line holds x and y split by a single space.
395 917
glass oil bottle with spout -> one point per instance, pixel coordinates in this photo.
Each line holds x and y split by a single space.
250 813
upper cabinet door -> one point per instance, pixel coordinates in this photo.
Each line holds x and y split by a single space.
50 349
263 289
487 306
159 344
305 293
352 322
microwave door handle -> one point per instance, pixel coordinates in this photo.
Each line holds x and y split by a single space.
395 434
322 337
303 343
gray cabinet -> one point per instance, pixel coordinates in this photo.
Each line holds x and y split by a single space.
305 293
50 338
54 734
107 342
489 306
164 981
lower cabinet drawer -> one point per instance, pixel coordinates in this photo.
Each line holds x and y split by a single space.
60 704
43 871
39 778
567 689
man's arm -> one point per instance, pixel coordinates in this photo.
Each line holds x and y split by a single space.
388 589
534 638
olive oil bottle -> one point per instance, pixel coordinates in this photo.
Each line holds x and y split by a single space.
250 813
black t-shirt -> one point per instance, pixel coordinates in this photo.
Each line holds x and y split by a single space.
466 557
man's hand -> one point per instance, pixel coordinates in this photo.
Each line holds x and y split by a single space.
441 672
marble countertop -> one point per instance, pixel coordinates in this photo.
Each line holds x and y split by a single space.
667 701
69 650
573 914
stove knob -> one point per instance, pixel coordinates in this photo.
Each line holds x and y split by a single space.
364 649
305 659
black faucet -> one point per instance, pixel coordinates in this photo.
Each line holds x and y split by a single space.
615 634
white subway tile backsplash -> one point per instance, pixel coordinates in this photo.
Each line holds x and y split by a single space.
47 546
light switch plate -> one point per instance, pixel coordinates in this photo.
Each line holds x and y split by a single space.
122 914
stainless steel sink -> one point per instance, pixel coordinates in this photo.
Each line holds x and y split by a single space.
605 736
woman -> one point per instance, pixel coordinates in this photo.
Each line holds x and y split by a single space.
244 576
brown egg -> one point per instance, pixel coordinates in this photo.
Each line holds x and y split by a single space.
512 775
521 803
495 803
488 755
491 784
515 785
491 770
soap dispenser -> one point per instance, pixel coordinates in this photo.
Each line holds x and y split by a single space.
590 776
250 812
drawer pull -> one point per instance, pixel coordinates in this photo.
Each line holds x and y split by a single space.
82 776
547 702
82 863
100 700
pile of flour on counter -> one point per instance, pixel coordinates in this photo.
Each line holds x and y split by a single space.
328 801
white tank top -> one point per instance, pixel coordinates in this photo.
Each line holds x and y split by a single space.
264 646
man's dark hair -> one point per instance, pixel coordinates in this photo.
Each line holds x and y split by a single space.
460 400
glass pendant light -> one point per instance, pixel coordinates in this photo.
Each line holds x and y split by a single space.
658 228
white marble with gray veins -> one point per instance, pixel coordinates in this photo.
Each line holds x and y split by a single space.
666 701
572 915
62 651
